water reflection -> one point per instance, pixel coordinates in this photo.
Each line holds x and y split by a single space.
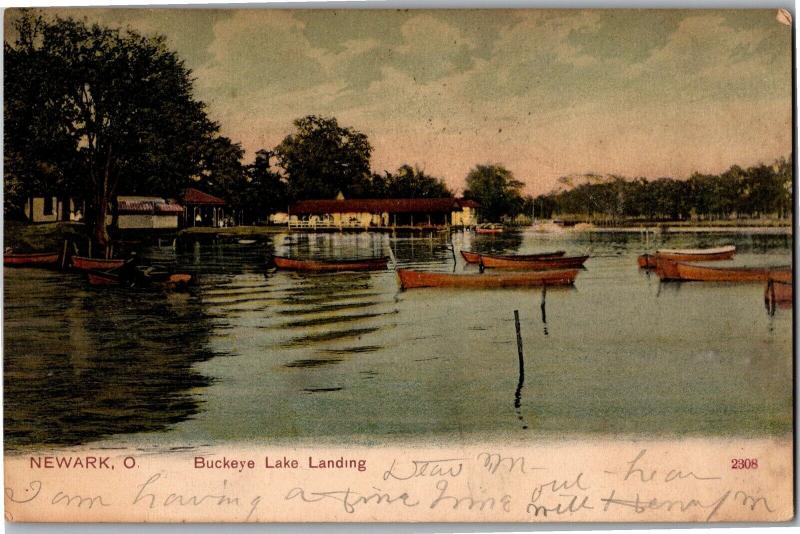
110 361
265 356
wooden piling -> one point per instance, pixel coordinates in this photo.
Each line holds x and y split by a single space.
519 346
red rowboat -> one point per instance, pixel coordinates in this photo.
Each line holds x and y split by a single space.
489 229
38 259
102 278
475 257
411 279
501 262
96 264
673 270
778 292
648 261
370 264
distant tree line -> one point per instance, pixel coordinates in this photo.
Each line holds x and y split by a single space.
754 192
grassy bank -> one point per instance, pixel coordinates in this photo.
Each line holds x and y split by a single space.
25 237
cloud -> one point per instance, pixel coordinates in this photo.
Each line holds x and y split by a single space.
545 92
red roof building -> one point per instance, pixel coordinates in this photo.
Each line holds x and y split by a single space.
202 209
385 212
147 213
199 198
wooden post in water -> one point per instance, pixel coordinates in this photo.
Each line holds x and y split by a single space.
518 392
519 347
64 256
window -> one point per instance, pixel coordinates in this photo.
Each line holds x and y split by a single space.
48 206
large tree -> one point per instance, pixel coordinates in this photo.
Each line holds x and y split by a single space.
262 190
322 159
119 105
408 182
496 190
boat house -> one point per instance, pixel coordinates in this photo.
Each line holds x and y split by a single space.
202 209
138 213
383 213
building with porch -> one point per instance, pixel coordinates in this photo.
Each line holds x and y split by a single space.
202 209
385 213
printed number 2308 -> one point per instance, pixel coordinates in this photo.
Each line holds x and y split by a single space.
744 463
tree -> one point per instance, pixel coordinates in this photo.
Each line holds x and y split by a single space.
322 159
263 191
120 106
408 182
496 190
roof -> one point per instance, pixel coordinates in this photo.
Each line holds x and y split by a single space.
195 196
380 205
150 207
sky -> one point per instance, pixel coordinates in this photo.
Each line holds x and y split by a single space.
545 93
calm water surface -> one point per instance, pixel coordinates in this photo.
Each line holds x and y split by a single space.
267 357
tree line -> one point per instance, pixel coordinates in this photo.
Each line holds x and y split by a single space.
753 192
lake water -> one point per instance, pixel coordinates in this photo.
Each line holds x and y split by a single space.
262 357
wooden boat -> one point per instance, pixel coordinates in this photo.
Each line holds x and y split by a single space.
778 293
648 261
103 278
368 264
675 270
475 257
96 264
501 262
489 229
36 259
164 280
412 279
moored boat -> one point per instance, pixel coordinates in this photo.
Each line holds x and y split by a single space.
675 270
489 229
648 261
96 264
36 259
778 293
475 257
367 264
413 279
501 262
103 278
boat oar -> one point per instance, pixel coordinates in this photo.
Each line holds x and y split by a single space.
391 255
453 250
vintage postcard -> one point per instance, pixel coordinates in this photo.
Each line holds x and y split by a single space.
527 265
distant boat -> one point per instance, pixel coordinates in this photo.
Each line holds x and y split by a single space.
412 279
356 264
489 229
674 270
36 259
648 261
96 264
246 241
475 257
506 262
